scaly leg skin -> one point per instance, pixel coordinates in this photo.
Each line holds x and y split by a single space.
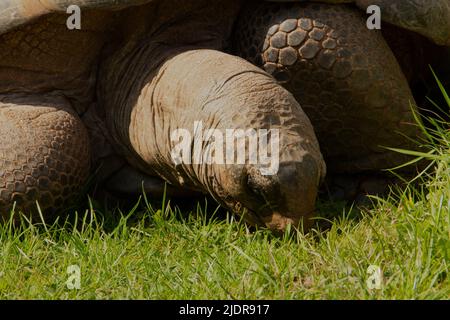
44 154
344 76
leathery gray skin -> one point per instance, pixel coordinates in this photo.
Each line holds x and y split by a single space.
134 75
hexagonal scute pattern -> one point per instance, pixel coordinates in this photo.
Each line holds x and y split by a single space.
44 154
344 76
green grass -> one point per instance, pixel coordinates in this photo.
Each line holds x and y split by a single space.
162 256
167 253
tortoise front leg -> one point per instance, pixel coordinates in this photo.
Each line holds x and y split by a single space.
344 76
44 153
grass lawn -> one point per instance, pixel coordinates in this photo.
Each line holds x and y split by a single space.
166 253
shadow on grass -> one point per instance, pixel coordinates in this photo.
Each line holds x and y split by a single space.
112 210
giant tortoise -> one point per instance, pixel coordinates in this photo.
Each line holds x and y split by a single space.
108 97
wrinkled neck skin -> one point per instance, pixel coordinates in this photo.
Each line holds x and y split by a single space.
172 76
149 37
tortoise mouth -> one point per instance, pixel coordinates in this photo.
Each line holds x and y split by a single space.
277 222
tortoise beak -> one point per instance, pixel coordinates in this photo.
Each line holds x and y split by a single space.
279 223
